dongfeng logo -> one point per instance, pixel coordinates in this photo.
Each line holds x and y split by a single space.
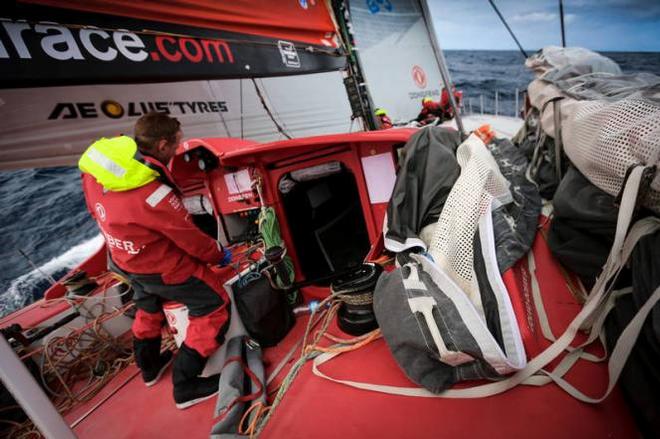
419 76
100 210
289 54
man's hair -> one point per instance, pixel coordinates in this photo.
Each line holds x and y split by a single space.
152 128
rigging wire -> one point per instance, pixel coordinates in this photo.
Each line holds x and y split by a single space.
492 3
270 114
561 19
50 278
265 90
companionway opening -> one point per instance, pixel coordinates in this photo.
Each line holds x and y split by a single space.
324 214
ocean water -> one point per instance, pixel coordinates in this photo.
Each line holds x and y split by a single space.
480 73
43 211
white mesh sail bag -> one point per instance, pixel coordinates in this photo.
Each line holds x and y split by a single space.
604 139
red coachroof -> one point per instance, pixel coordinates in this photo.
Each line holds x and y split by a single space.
274 151
220 146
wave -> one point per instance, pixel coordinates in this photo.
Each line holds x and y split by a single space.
22 290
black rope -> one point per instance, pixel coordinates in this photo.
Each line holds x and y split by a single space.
263 102
508 28
561 18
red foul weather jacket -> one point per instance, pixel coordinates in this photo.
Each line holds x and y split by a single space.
148 231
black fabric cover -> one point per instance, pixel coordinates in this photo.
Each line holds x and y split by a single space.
640 378
427 174
410 340
514 223
582 230
543 170
265 312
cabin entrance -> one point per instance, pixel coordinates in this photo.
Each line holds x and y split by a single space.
325 218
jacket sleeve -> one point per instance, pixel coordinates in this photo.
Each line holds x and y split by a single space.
167 215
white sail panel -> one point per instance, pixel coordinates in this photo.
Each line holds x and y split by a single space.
397 56
52 126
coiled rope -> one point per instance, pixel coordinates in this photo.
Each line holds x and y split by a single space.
73 368
328 309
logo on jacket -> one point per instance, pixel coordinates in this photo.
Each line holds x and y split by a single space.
419 76
289 54
100 211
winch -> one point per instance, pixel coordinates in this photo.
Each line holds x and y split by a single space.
355 291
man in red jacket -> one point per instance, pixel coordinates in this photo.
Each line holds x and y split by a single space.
152 241
431 111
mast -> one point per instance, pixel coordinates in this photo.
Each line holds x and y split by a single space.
355 83
442 64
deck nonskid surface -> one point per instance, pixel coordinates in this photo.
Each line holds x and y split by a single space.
317 408
137 411
126 408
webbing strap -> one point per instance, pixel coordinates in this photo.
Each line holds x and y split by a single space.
556 107
619 253
619 356
578 353
537 299
544 322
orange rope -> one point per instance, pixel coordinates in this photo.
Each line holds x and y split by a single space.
371 336
261 409
263 413
76 366
345 340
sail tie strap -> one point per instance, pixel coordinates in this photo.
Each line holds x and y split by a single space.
624 243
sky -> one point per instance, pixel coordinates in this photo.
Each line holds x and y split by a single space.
603 25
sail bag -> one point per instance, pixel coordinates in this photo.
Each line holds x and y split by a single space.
445 313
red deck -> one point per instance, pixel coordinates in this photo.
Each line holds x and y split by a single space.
137 411
316 408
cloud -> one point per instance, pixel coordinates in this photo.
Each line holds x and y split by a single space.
535 17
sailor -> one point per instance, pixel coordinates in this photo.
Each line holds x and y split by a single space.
442 110
445 104
430 111
384 121
152 241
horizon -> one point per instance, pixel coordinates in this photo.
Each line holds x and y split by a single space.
598 25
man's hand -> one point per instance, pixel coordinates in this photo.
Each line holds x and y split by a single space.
226 257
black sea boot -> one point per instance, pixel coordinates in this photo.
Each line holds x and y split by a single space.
189 388
149 359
